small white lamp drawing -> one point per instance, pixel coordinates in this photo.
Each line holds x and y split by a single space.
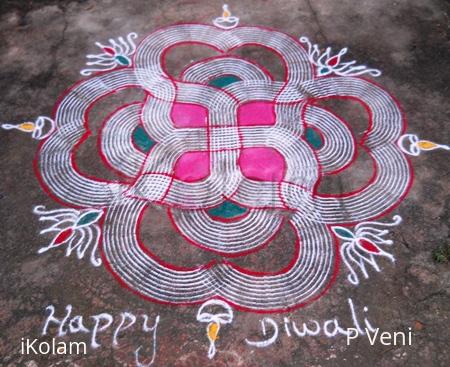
412 145
226 21
36 129
214 321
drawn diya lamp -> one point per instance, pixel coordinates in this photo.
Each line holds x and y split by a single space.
214 320
40 129
410 144
226 21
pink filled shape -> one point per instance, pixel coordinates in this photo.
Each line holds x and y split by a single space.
189 115
262 164
192 166
256 113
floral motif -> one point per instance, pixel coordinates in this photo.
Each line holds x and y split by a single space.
75 229
327 63
116 54
363 246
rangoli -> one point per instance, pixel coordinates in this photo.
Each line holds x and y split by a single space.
234 155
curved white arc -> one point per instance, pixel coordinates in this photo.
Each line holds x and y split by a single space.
338 147
55 157
117 140
393 174
255 229
306 278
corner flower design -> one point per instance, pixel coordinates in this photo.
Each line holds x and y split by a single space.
77 230
362 247
116 53
327 63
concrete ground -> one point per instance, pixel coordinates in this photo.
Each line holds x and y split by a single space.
42 49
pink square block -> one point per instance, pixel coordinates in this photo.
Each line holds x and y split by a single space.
256 113
192 166
186 115
262 164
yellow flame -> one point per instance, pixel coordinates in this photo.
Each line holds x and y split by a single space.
426 145
27 126
226 13
213 331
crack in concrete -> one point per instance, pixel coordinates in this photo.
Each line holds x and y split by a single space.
54 50
58 45
317 21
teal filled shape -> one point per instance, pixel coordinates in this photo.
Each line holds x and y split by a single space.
88 218
343 232
123 60
142 140
227 210
223 81
313 138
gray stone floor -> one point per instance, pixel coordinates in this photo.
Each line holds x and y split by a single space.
42 49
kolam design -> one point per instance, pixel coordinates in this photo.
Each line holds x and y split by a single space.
234 155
